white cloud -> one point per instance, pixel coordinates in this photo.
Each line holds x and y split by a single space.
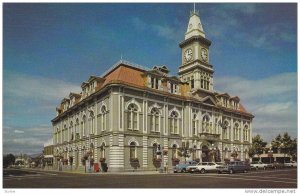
164 31
273 101
29 103
35 87
18 131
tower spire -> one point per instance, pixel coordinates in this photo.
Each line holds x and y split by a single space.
194 26
194 7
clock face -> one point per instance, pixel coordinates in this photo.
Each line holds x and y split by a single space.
204 54
188 54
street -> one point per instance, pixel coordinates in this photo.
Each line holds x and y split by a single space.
282 178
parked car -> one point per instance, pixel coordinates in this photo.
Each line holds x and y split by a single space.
182 167
232 167
259 165
204 167
290 164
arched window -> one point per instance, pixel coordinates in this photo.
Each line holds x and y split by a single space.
226 153
71 131
103 118
174 151
246 154
133 150
174 123
154 151
225 130
245 133
77 129
194 124
206 125
83 125
154 120
65 133
92 122
57 135
133 117
102 150
236 131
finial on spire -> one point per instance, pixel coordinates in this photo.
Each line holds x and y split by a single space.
194 12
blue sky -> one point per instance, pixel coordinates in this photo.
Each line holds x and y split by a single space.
50 49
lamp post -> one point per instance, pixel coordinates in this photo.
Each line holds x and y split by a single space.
213 150
234 153
270 154
282 148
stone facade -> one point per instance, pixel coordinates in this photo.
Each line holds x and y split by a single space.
139 118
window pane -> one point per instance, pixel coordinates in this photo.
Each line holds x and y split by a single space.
129 120
156 123
134 120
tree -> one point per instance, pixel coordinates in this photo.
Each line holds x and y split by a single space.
285 144
8 159
258 146
276 143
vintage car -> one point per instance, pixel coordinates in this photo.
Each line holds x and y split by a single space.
259 165
204 167
182 167
232 167
290 164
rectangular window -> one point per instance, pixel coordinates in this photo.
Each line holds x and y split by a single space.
172 91
192 83
135 120
171 126
156 123
194 127
129 121
132 152
152 123
176 126
156 83
152 82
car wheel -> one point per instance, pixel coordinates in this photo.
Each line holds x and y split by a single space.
245 171
202 171
230 171
264 168
257 168
183 170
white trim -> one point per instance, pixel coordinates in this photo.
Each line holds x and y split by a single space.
153 142
133 140
133 101
176 110
155 105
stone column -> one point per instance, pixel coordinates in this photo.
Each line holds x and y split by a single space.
145 152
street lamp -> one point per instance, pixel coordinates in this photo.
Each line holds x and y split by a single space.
270 154
282 147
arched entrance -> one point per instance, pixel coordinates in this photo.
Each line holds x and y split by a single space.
205 154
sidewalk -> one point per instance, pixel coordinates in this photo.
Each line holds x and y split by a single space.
98 173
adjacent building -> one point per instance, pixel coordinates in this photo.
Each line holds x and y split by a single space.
142 118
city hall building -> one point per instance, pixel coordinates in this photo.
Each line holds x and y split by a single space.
141 118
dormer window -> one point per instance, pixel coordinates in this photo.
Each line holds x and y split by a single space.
192 83
154 83
173 88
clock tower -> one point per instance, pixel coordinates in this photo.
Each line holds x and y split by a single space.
195 67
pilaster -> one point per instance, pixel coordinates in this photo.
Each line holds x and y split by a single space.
145 151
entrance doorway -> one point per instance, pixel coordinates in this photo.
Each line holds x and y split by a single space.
205 154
